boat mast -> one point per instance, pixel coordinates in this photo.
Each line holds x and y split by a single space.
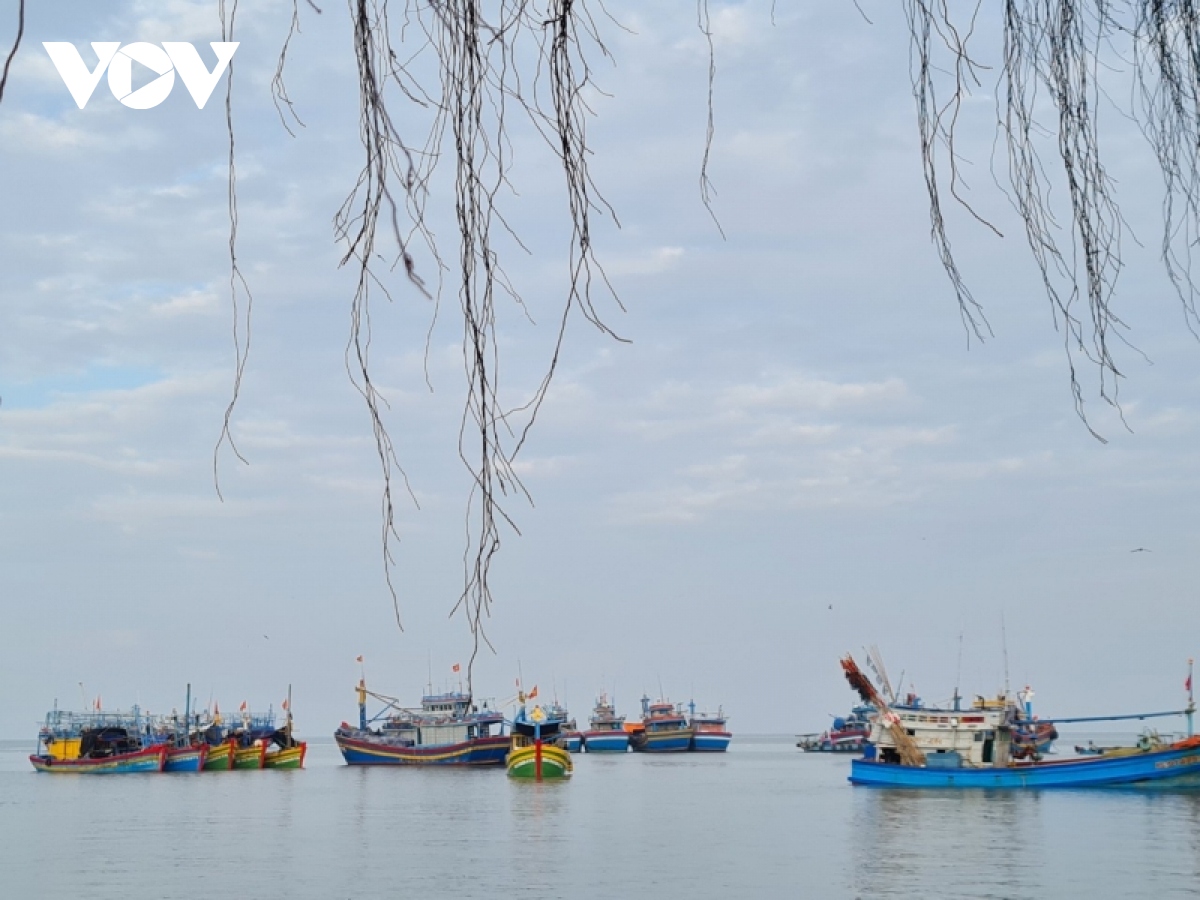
187 718
289 717
1191 707
1004 648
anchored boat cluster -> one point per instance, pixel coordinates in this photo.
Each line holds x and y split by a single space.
451 729
105 742
447 729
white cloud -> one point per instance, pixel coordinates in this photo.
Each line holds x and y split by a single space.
188 304
31 134
655 262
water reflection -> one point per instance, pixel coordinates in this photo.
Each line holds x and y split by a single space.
911 841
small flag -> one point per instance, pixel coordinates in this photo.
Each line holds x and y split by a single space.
518 682
533 693
284 705
243 706
358 659
455 667
1187 685
97 701
216 708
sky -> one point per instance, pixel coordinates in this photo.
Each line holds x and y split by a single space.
796 453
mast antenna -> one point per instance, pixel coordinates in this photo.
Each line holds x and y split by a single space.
958 674
1004 647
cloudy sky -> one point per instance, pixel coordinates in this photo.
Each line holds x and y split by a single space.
798 453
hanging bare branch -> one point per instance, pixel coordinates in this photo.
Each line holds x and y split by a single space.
15 47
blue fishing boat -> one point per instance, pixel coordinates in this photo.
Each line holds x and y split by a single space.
664 729
570 738
710 733
448 729
606 730
915 747
186 750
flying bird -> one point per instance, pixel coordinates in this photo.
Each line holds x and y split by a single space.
1141 550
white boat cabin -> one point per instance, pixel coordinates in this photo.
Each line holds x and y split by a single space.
973 738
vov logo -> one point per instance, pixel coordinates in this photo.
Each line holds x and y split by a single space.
165 61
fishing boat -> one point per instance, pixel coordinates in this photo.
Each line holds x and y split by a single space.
846 735
535 752
249 756
186 749
973 749
710 733
248 735
448 729
98 743
664 729
570 737
284 751
1148 740
606 730
286 757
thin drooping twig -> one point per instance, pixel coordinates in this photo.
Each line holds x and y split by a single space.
1053 58
237 282
16 45
388 160
279 94
467 69
704 23
1166 67
936 126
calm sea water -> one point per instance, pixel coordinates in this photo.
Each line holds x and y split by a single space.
763 820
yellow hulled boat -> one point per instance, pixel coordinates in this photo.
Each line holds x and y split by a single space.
533 754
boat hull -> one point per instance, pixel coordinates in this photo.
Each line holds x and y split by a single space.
1175 764
152 759
539 762
186 759
286 757
219 757
676 741
483 751
842 745
573 742
249 757
711 741
606 742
